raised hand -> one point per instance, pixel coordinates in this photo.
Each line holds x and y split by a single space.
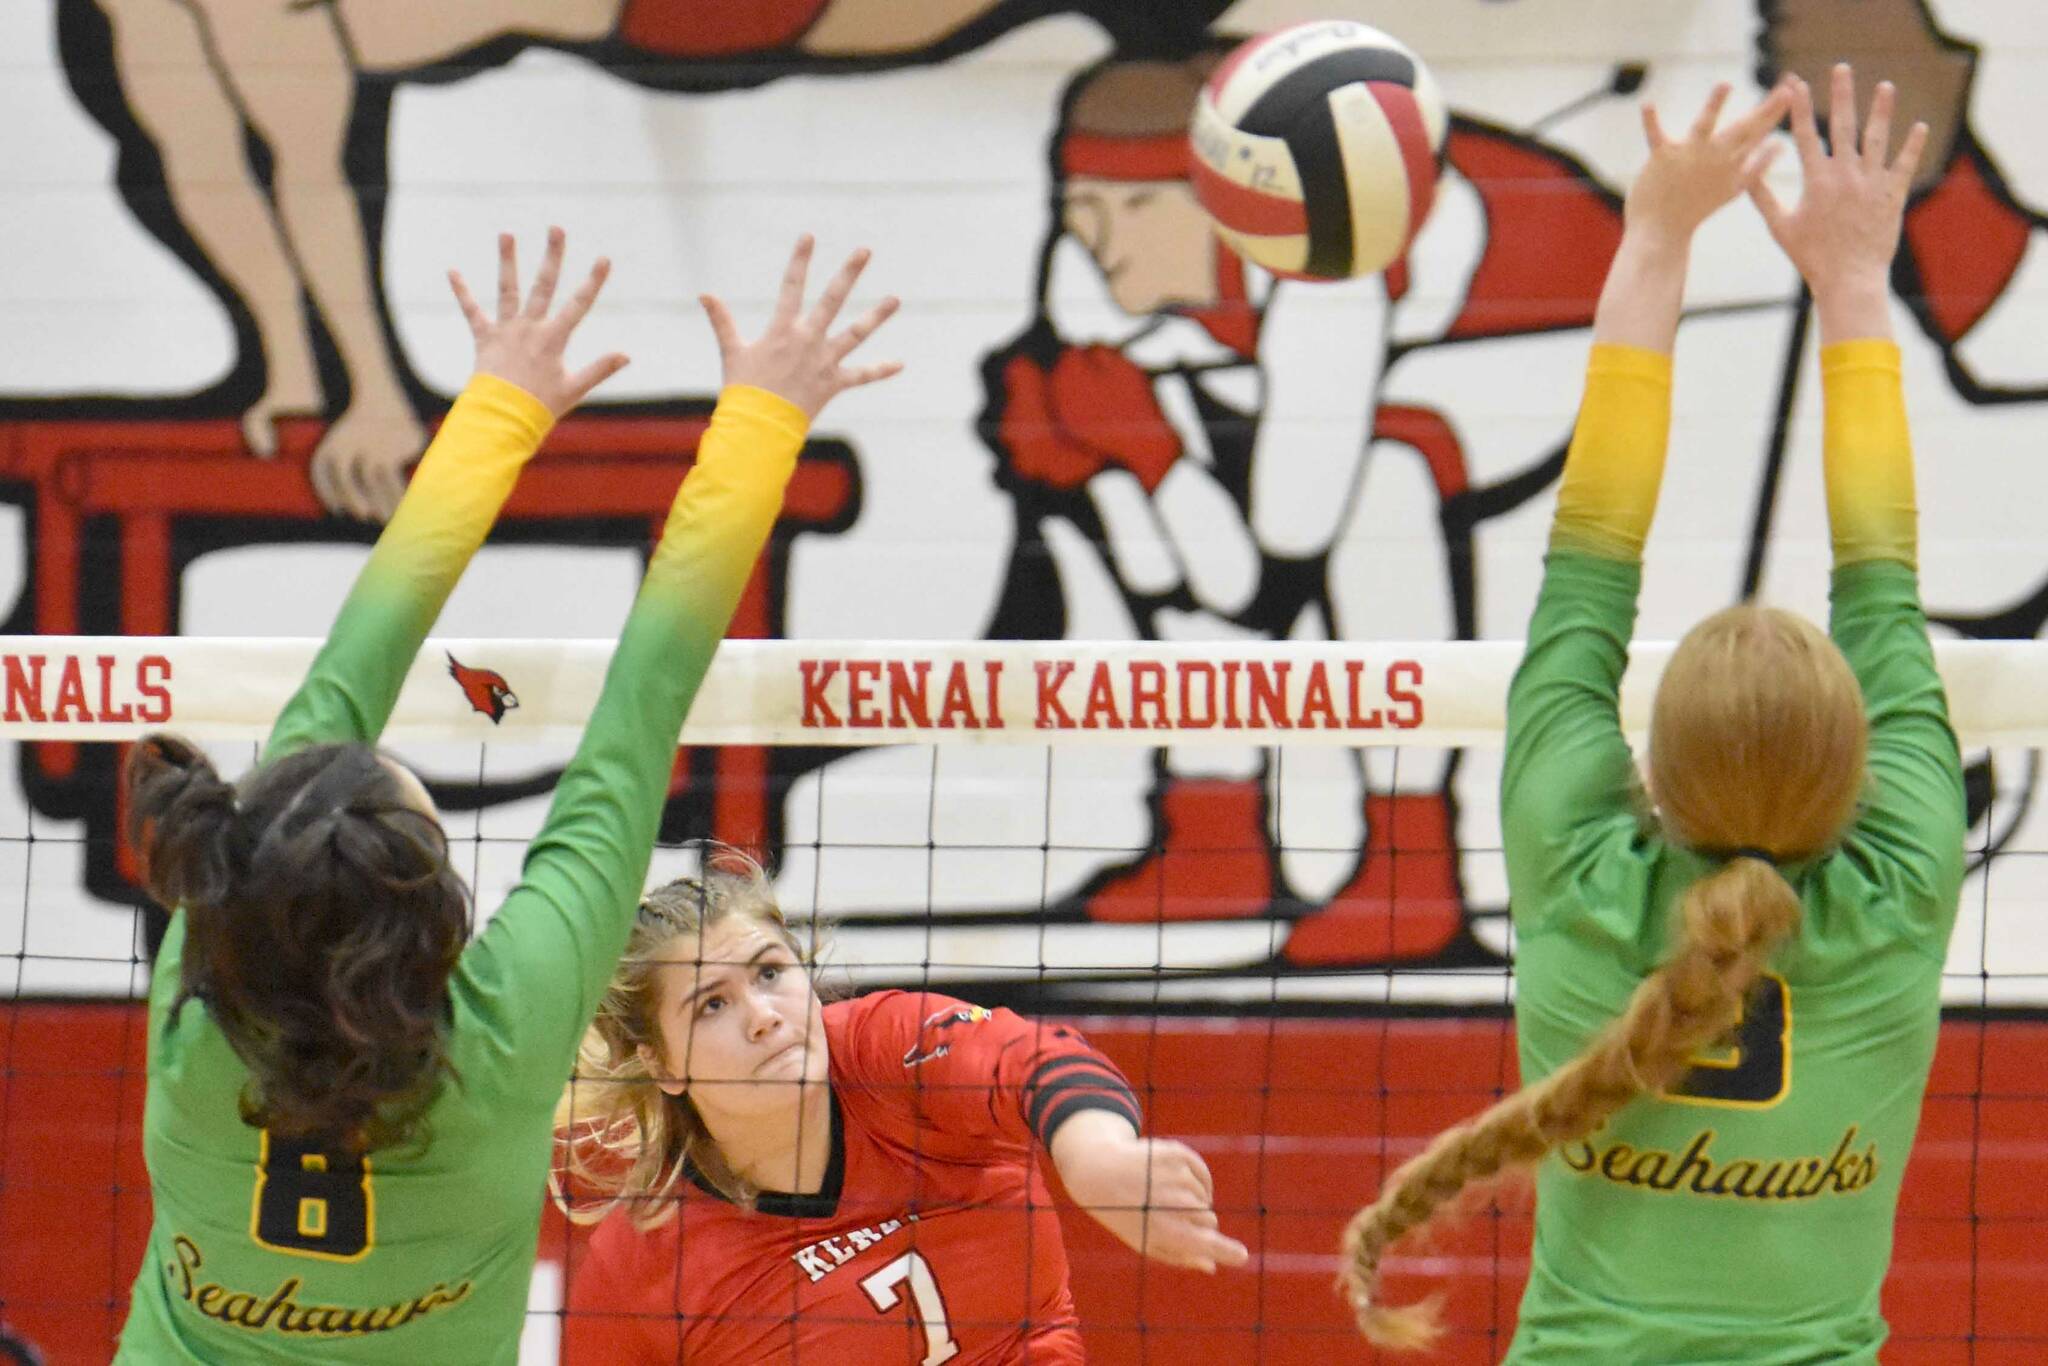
1687 179
799 356
1844 230
524 346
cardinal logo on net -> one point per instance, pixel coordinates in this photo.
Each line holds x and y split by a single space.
486 690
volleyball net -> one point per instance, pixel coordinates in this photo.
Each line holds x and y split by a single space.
1265 879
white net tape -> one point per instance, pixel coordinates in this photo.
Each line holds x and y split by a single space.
1118 824
856 693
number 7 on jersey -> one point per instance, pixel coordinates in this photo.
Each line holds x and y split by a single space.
929 1306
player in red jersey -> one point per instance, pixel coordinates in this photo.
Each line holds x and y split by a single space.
784 1180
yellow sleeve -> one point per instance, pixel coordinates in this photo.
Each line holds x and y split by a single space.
449 507
467 473
1608 495
712 537
1867 453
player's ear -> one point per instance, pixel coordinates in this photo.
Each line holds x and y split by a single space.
658 1071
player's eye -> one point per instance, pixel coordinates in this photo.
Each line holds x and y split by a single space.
707 1004
770 972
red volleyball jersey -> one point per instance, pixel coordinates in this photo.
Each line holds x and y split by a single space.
934 1238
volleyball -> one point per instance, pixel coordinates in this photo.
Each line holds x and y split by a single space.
1316 149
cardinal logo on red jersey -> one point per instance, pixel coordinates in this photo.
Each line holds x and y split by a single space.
938 1021
486 689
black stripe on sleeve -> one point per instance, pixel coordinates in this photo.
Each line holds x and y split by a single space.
1088 1100
1081 1088
1054 1070
1075 1053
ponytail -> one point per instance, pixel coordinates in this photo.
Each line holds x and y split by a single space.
1731 921
180 817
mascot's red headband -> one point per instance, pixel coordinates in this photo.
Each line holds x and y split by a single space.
1158 156
1165 156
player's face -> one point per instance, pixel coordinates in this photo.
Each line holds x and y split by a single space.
1151 239
741 1027
411 788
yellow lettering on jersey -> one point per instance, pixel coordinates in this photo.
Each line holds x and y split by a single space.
1698 1170
281 1311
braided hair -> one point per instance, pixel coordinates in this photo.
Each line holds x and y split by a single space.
1758 738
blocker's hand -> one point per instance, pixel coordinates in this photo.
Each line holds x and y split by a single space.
799 357
1687 179
1153 1193
1845 228
524 346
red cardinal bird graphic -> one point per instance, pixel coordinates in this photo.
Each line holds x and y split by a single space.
926 1049
486 689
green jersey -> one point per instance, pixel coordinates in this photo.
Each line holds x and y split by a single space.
1745 1215
264 1248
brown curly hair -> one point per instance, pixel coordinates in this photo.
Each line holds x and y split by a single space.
322 921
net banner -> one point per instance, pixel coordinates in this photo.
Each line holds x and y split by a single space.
836 692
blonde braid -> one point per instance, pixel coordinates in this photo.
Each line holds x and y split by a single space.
1732 921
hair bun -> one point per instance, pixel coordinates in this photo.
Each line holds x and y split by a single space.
180 815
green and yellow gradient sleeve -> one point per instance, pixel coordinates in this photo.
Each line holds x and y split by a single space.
532 980
1867 454
1608 495
1595 893
1910 829
449 508
1567 765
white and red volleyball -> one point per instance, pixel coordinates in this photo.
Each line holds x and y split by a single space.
1316 149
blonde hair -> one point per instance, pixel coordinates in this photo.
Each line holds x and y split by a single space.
1757 742
623 1140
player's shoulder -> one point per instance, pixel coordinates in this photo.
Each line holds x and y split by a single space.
907 1011
895 1029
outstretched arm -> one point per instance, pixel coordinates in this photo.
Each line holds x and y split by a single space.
1842 236
1154 1194
1616 462
1567 762
536 973
986 1081
521 385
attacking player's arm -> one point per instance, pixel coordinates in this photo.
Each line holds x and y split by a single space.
1567 761
520 387
1155 1194
1842 236
541 964
992 1075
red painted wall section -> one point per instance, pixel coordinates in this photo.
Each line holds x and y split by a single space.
1297 1119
